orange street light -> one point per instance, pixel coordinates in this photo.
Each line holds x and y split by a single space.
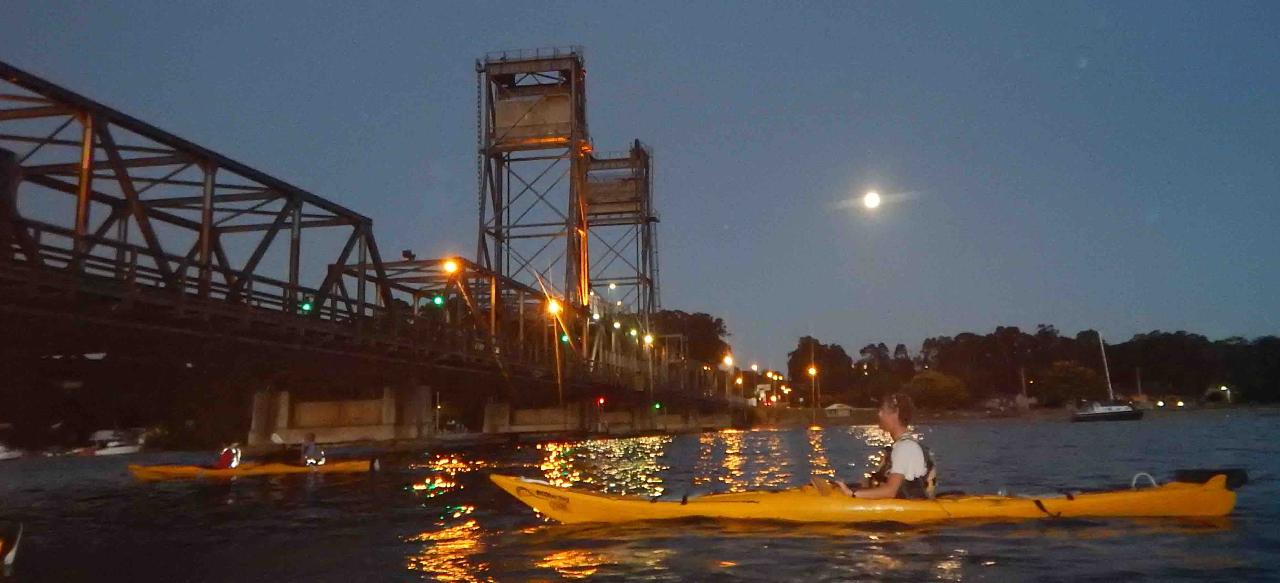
813 371
450 266
728 360
553 306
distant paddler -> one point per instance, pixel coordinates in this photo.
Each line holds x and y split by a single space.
228 458
312 455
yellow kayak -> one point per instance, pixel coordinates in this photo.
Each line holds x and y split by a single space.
148 473
812 504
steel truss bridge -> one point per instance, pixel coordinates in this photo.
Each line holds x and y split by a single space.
113 230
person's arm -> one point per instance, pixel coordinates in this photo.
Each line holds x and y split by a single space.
889 489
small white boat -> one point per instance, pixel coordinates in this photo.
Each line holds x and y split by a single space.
7 454
115 442
1096 411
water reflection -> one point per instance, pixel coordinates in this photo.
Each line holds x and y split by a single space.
573 563
704 468
951 568
732 477
619 466
875 438
444 477
771 462
447 553
818 463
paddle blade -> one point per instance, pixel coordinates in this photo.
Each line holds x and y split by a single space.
10 536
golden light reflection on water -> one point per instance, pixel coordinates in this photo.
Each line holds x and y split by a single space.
447 554
573 564
733 461
771 461
876 438
704 467
446 468
451 464
619 466
434 486
448 550
950 568
818 463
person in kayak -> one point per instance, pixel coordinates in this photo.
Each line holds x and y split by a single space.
907 469
312 455
229 458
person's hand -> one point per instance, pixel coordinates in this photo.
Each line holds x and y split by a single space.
844 488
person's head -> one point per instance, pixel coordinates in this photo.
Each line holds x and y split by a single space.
896 412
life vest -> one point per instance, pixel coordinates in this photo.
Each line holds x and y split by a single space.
919 488
312 455
229 458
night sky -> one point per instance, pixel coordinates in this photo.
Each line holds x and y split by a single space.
1091 165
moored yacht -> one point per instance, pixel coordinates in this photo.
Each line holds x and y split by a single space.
1111 410
1096 411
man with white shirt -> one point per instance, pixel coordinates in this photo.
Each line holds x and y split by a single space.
907 470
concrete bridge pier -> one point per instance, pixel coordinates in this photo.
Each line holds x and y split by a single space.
404 412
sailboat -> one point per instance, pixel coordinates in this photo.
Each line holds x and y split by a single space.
1111 410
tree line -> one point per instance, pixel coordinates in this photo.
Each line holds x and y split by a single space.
968 368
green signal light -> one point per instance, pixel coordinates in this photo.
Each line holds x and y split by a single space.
657 405
438 300
564 337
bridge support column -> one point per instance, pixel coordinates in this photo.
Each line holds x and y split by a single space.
417 412
270 414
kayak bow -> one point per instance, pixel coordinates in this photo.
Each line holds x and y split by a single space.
808 504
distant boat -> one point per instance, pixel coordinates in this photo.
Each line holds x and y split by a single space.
8 454
1111 411
1096 411
114 442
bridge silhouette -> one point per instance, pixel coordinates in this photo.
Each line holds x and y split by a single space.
116 235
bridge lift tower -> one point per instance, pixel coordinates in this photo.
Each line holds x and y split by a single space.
624 261
533 147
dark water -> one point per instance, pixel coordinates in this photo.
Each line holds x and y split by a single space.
88 521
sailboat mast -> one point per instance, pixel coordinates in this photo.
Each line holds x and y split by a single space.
1106 370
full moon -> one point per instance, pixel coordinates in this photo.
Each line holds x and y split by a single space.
871 200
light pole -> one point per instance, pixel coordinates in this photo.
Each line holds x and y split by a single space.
813 391
728 372
648 360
